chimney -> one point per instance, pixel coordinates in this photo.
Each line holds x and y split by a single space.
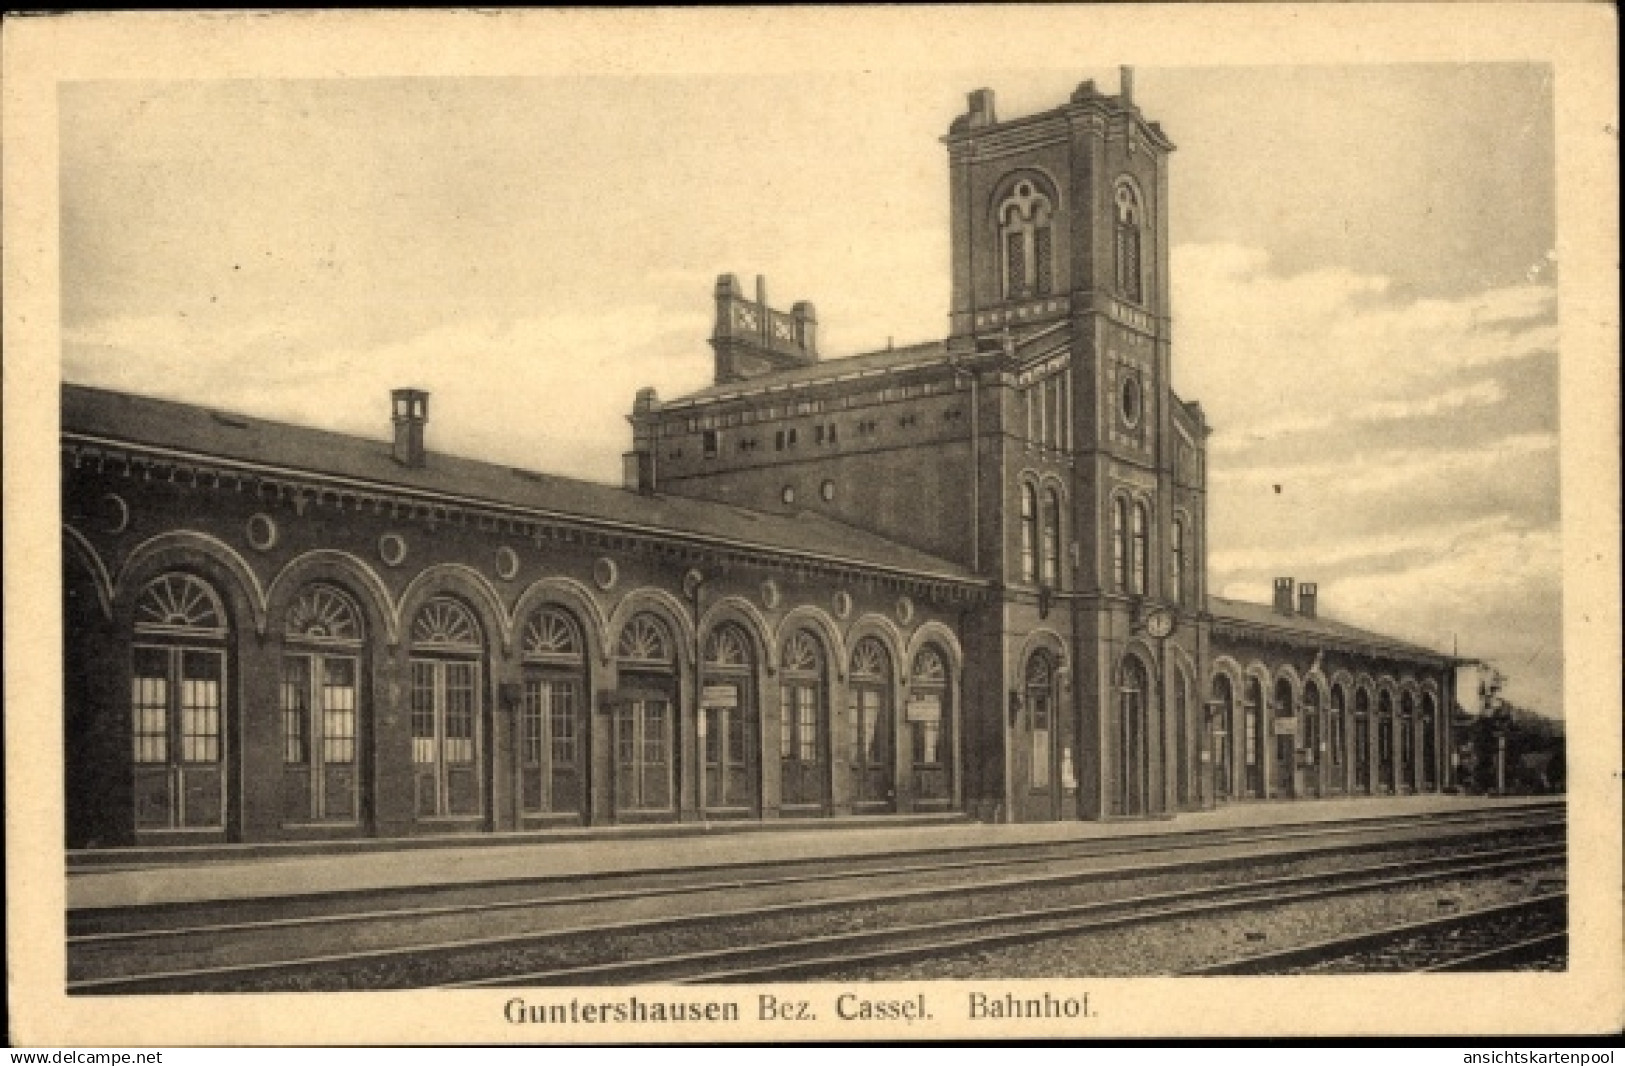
1125 81
806 319
1283 595
1306 599
410 411
981 108
638 465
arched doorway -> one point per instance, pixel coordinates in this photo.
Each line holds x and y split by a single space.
729 722
1043 768
869 707
1406 774
1385 741
553 739
1182 753
1253 711
322 701
645 718
1309 740
1134 741
1362 741
179 706
1430 743
1337 741
1224 735
803 725
930 716
447 668
1285 728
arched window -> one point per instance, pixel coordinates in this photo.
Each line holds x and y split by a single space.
803 718
321 682
644 709
869 706
645 639
1120 543
1052 538
1176 559
1025 222
1040 685
1142 558
1224 704
1129 220
178 705
928 717
447 665
553 761
1029 533
728 719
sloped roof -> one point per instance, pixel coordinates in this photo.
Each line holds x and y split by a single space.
192 430
1263 616
822 371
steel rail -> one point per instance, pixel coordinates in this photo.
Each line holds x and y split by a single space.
1496 958
1473 861
772 961
1321 951
1467 822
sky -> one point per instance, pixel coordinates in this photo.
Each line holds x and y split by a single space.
1364 282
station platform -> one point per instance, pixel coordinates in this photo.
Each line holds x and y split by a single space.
262 870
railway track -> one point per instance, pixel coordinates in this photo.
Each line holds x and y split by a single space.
391 945
1530 931
94 925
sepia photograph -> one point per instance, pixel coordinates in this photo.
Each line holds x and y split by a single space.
641 547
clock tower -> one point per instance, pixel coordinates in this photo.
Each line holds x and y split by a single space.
1060 264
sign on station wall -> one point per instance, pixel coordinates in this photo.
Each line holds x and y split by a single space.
924 707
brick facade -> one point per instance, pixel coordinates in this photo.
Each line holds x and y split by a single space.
962 576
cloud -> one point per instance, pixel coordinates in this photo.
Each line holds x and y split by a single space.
1331 347
547 392
1477 394
1490 589
1387 470
1335 549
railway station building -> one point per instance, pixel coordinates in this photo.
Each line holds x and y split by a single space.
960 578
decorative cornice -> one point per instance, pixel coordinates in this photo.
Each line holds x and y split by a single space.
303 489
1284 636
744 392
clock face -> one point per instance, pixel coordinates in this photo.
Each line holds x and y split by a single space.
1160 624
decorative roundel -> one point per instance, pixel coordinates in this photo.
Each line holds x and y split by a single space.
507 563
842 604
788 494
392 549
605 573
905 610
827 491
1131 400
118 513
262 531
770 594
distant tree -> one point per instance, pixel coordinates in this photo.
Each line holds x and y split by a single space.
1536 760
